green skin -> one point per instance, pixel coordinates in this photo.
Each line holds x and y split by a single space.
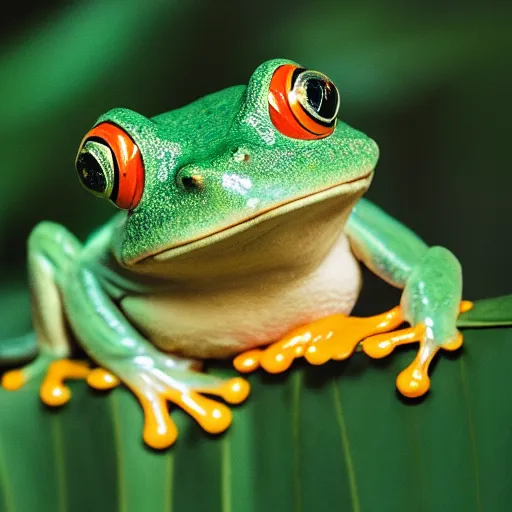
170 245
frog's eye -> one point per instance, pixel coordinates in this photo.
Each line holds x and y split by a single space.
109 165
303 104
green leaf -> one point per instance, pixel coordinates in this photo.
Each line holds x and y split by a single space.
335 437
496 311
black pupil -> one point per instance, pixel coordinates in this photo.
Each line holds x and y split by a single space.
322 96
90 173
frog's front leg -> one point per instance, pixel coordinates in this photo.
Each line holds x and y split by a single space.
51 251
431 301
153 376
431 278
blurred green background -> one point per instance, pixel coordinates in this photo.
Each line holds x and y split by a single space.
430 82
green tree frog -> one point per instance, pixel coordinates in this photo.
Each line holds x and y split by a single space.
240 232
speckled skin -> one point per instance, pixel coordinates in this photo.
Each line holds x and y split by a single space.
266 242
206 138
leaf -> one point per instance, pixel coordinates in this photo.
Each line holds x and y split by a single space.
318 438
496 311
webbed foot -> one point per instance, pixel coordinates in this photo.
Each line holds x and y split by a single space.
53 391
154 384
414 380
334 337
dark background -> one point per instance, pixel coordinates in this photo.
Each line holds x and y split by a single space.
431 82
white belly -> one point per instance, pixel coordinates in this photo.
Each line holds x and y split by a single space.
225 322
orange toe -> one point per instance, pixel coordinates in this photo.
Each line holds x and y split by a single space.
53 392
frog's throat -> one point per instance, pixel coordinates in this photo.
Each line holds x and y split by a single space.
352 187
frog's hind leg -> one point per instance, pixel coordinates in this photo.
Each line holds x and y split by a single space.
125 356
51 249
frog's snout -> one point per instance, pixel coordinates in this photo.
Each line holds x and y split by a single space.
367 153
372 149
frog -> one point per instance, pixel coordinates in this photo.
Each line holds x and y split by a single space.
240 233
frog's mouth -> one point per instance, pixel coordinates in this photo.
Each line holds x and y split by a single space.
347 188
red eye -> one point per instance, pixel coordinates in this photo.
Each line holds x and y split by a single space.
109 165
303 104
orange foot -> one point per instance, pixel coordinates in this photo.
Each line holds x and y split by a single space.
154 391
414 380
153 388
334 337
53 390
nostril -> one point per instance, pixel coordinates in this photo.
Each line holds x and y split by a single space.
193 181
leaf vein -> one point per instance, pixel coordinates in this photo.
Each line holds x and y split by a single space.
60 468
356 507
225 474
472 434
169 483
116 427
296 389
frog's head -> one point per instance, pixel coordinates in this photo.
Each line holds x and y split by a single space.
227 163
